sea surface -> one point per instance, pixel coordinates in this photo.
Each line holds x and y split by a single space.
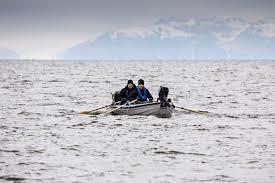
43 138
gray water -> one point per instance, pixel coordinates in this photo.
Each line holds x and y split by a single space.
43 138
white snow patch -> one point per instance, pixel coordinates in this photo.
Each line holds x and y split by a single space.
267 30
164 31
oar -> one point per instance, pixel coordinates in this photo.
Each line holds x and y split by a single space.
88 112
133 101
194 111
207 113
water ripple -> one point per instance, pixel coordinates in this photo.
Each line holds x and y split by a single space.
43 138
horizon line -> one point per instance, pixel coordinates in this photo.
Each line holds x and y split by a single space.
114 60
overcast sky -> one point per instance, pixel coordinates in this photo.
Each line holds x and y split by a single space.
42 28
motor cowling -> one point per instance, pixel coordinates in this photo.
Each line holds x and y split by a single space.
163 94
116 96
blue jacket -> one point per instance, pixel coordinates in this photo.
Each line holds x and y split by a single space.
142 94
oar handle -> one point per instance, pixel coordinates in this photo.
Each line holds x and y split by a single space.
87 112
119 107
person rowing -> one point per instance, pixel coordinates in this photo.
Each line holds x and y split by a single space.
129 93
143 93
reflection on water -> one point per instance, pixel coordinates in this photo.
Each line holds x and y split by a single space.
43 137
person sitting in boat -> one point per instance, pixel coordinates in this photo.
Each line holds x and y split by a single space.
129 93
142 92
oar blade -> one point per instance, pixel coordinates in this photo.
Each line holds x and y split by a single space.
84 112
194 111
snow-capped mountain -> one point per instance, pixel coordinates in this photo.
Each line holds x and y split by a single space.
173 38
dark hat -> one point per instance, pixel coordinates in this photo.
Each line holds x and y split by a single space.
141 81
130 81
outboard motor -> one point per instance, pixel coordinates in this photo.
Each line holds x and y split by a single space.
116 97
163 94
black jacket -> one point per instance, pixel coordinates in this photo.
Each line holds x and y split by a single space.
128 94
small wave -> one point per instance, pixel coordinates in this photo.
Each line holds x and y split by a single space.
50 104
117 125
84 123
237 116
154 124
87 81
216 102
26 113
68 112
223 127
25 81
22 163
3 126
56 81
7 150
252 162
71 148
232 138
218 178
252 92
36 151
202 129
62 113
6 87
251 116
178 152
11 178
221 96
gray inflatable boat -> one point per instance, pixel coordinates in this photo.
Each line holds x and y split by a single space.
162 108
145 108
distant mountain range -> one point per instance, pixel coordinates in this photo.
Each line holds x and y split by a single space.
173 38
8 54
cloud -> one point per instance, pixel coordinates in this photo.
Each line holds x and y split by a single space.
67 22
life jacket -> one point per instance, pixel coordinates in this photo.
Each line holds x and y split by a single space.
140 96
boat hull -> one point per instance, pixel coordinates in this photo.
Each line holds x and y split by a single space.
145 109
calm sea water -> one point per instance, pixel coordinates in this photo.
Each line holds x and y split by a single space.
43 138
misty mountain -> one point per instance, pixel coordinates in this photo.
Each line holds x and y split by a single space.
8 54
173 38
